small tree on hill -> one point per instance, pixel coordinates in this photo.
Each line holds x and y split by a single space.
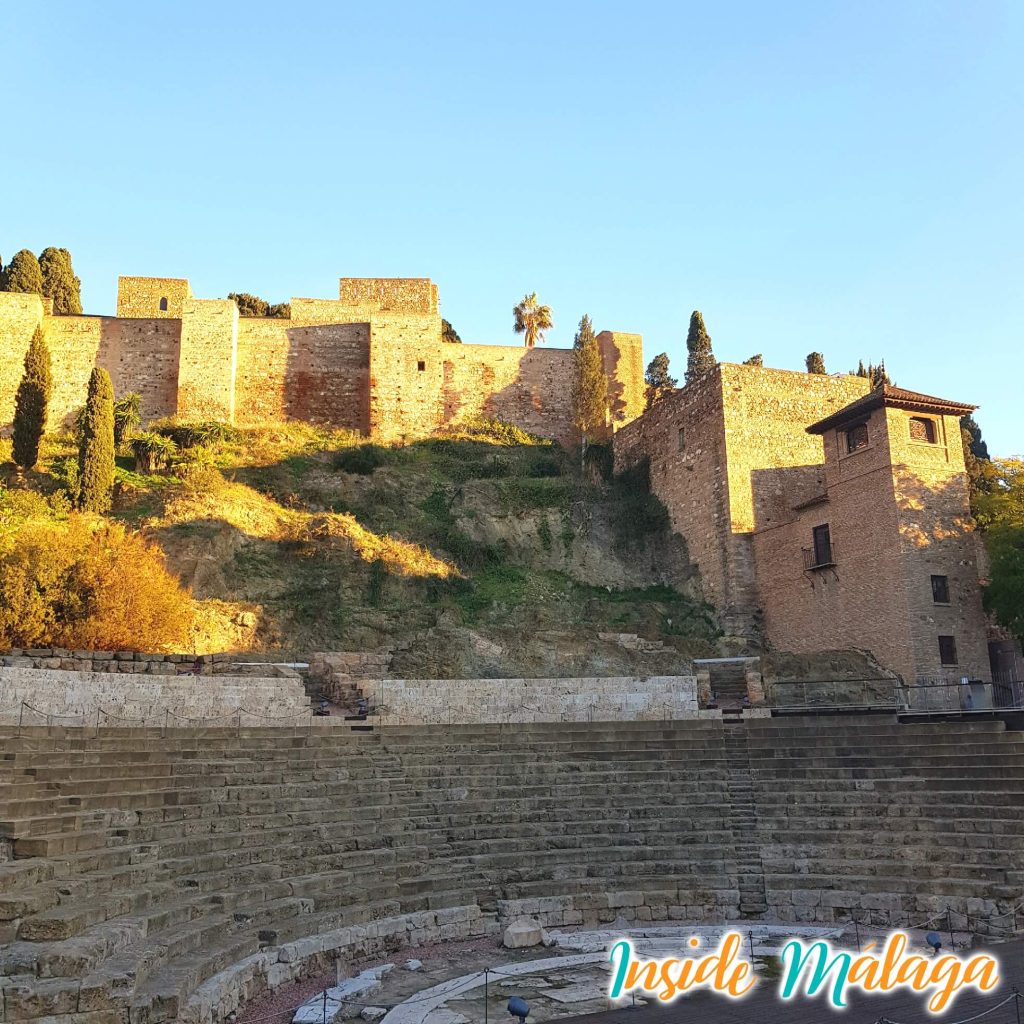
698 345
96 445
658 379
59 281
30 402
23 274
589 385
815 363
531 319
757 360
449 334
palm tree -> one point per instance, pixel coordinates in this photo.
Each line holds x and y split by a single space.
532 319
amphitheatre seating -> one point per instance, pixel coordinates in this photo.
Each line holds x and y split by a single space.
890 823
160 876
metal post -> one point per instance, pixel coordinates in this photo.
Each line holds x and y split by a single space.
856 931
1016 1002
21 714
325 1007
485 995
949 926
750 940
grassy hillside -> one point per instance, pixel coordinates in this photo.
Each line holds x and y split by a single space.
484 551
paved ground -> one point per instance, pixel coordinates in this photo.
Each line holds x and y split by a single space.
763 1006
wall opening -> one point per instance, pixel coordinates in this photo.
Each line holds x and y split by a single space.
163 305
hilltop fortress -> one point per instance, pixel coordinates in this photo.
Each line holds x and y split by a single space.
371 360
821 514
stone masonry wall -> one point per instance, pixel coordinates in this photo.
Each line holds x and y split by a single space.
463 701
371 360
859 603
140 355
623 358
209 359
27 693
683 437
936 536
317 373
143 296
520 385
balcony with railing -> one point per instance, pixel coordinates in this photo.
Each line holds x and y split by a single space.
820 556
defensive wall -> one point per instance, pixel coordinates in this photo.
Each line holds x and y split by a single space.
813 539
372 360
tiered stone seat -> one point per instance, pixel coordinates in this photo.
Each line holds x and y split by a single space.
890 823
145 864
167 876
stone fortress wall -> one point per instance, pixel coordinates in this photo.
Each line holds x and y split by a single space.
371 360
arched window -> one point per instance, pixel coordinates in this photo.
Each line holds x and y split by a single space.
163 305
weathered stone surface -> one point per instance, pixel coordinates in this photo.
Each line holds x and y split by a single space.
523 932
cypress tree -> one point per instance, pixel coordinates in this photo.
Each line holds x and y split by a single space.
589 385
23 274
96 445
698 345
659 381
815 363
59 281
30 402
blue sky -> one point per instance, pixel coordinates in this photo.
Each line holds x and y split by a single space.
833 176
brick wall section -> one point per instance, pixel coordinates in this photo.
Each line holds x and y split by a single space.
19 317
140 356
317 372
623 358
688 477
859 604
389 294
140 297
937 536
208 360
371 360
897 512
520 385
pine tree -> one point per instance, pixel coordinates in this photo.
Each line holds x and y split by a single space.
816 363
876 374
589 385
698 345
23 274
59 281
96 445
659 381
757 360
30 402
449 334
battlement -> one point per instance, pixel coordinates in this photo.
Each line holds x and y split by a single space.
389 294
152 297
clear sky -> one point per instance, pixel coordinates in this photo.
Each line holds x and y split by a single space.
836 176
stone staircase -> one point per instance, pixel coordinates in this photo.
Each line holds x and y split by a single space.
743 819
728 683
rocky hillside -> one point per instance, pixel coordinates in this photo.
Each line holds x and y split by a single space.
484 553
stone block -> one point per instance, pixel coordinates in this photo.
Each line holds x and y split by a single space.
522 933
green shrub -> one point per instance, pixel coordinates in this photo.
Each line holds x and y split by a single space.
153 452
194 435
637 513
361 459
